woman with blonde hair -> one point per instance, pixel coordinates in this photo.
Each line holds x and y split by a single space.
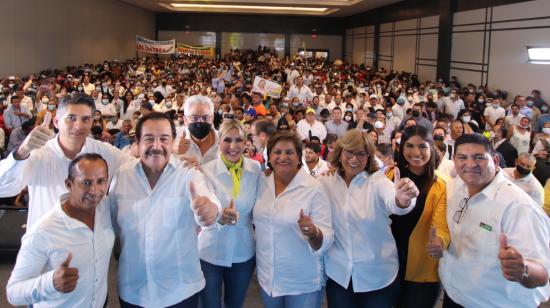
227 252
362 264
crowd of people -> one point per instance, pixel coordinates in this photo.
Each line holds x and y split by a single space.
365 185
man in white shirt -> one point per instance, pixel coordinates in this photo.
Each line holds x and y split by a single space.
498 255
336 103
513 119
312 161
522 176
493 112
336 125
164 89
309 127
453 104
64 258
301 91
156 204
87 87
42 159
202 138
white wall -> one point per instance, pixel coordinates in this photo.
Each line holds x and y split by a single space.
331 42
36 35
193 38
504 64
233 40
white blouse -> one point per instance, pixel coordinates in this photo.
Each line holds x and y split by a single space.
286 265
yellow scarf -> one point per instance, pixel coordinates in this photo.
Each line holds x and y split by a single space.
236 171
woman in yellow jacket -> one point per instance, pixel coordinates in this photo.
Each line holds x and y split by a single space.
422 234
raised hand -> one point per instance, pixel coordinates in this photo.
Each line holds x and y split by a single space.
206 210
230 215
511 261
65 277
405 190
307 227
37 138
435 244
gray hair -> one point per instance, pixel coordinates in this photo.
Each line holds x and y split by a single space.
530 157
197 100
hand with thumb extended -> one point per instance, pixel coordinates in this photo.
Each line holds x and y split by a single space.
206 210
405 189
435 244
65 277
230 215
511 261
37 138
307 227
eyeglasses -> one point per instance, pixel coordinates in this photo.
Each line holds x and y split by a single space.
463 205
195 119
360 155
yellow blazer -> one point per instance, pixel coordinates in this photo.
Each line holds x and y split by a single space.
420 266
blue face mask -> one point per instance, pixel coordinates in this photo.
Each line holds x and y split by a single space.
530 103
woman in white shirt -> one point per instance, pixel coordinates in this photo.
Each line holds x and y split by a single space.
520 135
128 106
293 228
362 263
227 252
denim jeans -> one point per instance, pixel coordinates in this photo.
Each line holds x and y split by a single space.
306 300
340 297
235 281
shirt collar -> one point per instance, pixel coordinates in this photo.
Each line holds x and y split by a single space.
490 192
222 169
70 223
60 152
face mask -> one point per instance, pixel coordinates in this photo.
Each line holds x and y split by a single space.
530 103
104 101
98 89
495 106
51 107
438 138
45 99
378 124
295 104
522 171
481 100
11 85
410 98
544 108
389 115
379 86
199 130
152 102
80 89
546 130
398 140
169 104
466 119
415 113
347 118
349 110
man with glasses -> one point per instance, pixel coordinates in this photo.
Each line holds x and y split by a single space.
41 162
499 254
201 136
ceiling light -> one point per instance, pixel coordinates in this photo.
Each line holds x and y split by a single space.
539 55
248 7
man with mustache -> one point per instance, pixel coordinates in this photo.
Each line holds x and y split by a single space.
156 204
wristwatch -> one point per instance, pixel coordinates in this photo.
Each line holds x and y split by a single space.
525 272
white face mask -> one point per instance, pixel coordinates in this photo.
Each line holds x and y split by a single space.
466 119
347 118
546 130
378 124
45 99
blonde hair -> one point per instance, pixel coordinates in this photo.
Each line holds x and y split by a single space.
354 140
230 124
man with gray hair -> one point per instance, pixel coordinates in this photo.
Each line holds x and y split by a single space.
522 176
198 134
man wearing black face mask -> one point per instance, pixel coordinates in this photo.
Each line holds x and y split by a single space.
416 114
523 177
198 118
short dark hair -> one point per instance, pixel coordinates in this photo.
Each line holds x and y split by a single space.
265 126
154 116
475 138
76 98
284 135
88 157
314 146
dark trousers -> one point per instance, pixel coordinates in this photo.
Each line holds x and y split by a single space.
235 281
418 294
190 302
449 303
340 297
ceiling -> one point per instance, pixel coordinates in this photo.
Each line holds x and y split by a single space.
329 8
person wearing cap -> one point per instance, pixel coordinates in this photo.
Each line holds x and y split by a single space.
309 127
399 109
249 115
373 103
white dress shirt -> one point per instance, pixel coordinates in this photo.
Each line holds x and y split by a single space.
47 244
528 184
319 169
159 261
364 249
45 171
286 264
231 243
317 129
493 114
470 269
303 93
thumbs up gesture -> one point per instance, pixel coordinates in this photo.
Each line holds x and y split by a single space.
65 277
230 215
206 210
511 261
435 244
405 190
36 139
307 227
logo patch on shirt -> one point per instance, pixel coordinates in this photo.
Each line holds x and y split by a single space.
485 226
